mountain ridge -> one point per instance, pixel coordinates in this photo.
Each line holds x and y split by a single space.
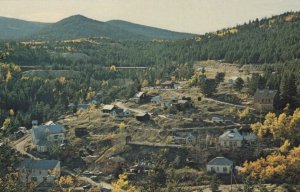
79 26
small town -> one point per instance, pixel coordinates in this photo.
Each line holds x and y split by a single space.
114 106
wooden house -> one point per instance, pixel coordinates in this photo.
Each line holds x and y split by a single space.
265 100
142 117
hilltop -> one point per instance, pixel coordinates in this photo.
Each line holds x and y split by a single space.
79 26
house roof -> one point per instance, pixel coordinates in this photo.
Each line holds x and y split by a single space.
108 107
220 161
139 94
231 135
49 123
39 132
182 101
142 114
265 93
156 98
39 164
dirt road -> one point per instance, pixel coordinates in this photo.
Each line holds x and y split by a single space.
21 143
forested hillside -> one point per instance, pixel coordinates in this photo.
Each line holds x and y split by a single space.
14 28
267 40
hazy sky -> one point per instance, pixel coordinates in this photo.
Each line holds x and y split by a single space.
195 16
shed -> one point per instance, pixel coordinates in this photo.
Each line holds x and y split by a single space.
142 117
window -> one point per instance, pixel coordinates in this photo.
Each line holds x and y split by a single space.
217 168
225 170
40 172
212 169
55 136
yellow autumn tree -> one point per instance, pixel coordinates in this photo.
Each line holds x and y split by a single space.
275 166
122 126
6 123
62 80
8 76
11 112
145 83
281 128
65 181
244 113
90 95
122 184
113 68
284 148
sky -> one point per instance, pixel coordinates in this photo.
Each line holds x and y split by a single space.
193 16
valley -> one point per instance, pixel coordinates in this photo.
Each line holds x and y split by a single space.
115 106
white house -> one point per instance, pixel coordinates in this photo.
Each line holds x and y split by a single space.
234 139
45 135
219 165
231 139
39 171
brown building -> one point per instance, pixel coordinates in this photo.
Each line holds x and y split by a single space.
265 99
142 117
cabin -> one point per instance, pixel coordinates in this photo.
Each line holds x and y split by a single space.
39 171
44 136
108 108
141 97
265 99
142 117
219 165
231 139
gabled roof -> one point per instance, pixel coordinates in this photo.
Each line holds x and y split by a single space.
265 93
139 94
142 114
220 161
50 123
232 135
108 107
182 101
39 164
41 131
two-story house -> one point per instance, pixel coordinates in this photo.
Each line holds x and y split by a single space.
39 171
231 139
265 100
44 136
234 139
